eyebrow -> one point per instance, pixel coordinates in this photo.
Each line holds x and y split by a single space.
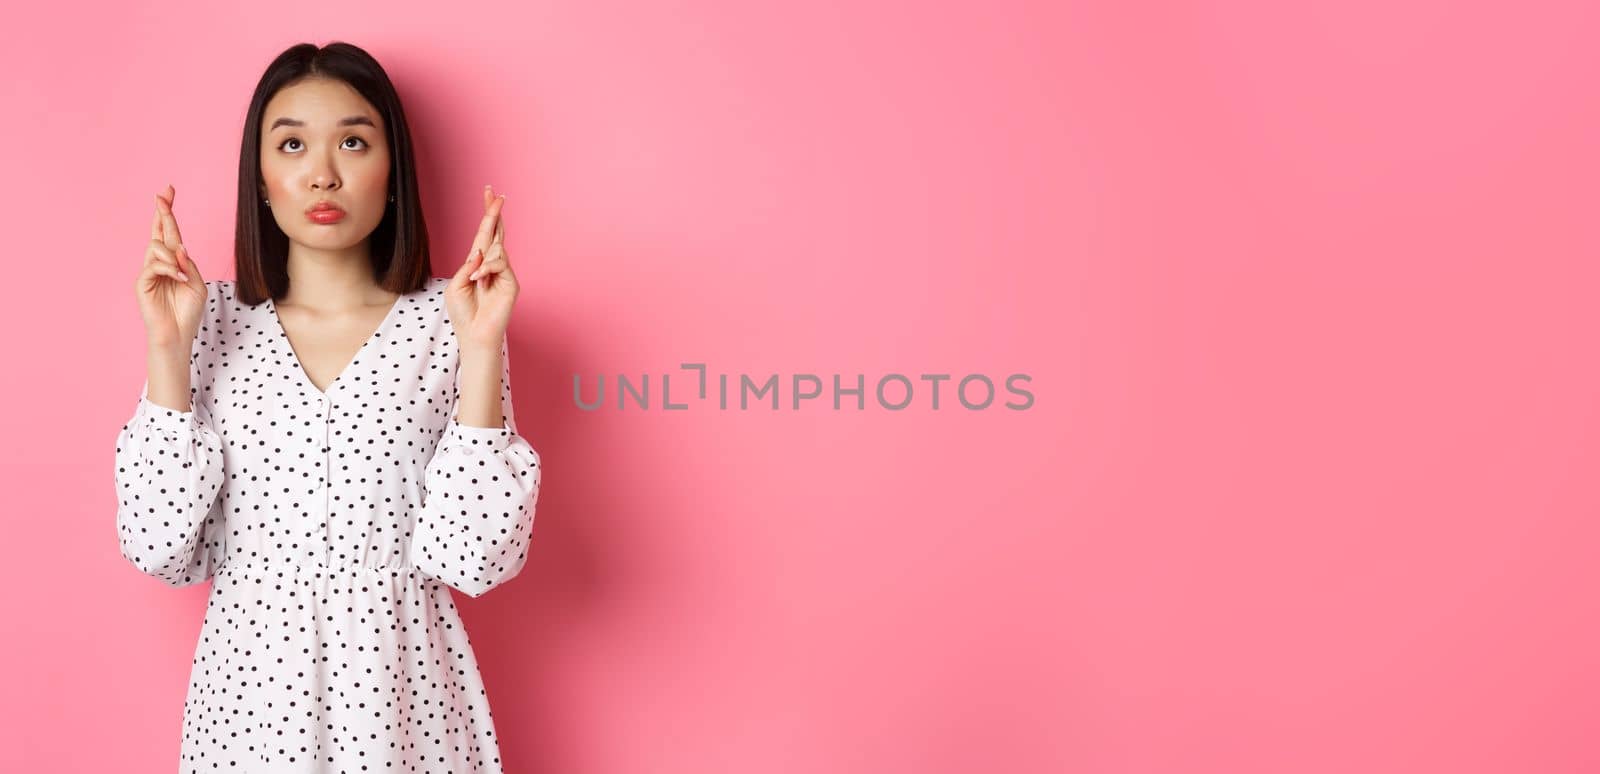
347 121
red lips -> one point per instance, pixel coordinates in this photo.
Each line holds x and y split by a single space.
325 212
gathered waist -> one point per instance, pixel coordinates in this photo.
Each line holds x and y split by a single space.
306 570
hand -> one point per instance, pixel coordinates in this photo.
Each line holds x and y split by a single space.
172 295
480 295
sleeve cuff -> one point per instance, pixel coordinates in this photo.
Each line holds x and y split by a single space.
166 421
468 437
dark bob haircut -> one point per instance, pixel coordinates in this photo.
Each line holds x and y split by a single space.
399 245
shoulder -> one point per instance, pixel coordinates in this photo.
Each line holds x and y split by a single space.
222 300
431 295
212 341
229 324
222 304
219 299
219 292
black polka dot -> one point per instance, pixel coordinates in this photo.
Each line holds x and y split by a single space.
333 525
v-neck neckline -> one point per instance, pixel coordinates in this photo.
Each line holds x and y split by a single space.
300 367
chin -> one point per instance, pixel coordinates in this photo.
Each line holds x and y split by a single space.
329 238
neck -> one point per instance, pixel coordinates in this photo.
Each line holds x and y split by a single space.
332 280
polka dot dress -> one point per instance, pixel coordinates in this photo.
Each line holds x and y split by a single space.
333 525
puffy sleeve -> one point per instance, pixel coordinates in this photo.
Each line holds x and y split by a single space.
480 489
169 474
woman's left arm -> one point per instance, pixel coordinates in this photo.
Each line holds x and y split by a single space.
482 486
482 483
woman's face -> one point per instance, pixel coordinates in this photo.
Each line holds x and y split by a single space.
322 142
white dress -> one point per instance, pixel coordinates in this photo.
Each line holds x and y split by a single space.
332 526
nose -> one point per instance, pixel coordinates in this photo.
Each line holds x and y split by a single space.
324 174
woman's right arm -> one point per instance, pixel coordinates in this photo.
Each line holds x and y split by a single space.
168 456
169 476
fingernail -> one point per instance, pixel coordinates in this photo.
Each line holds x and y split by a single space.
183 276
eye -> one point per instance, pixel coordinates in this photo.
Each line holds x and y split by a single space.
284 146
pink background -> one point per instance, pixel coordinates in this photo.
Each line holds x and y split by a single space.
1308 299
